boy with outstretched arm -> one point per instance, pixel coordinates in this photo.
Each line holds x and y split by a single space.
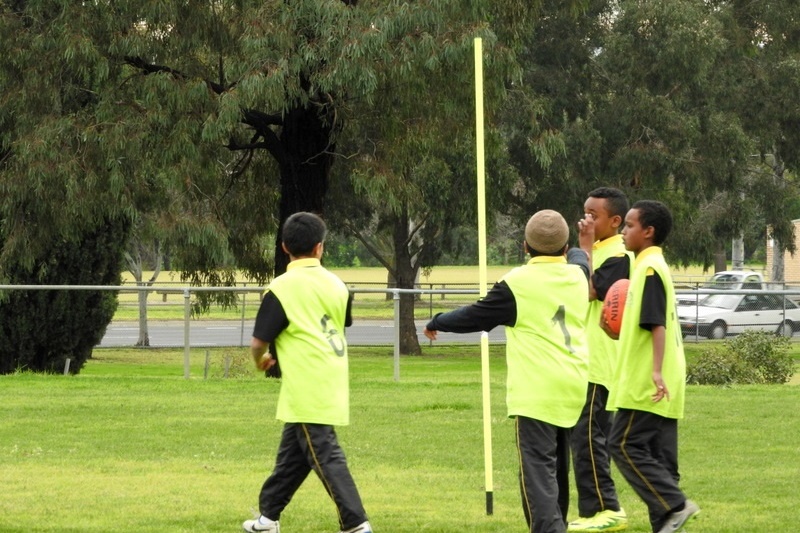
543 305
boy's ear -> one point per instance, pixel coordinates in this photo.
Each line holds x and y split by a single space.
616 221
649 233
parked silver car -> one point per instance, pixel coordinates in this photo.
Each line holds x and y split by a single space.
719 315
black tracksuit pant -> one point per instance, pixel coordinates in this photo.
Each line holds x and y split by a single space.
645 448
544 474
307 447
591 461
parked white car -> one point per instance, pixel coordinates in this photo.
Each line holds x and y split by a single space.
720 315
726 279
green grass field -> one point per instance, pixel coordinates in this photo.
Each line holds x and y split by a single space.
129 445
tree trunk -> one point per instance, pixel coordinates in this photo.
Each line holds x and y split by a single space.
391 283
306 144
720 258
737 253
144 333
778 273
135 263
405 273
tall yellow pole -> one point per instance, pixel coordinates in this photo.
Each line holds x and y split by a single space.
485 383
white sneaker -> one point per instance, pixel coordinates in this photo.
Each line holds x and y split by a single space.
262 524
362 528
675 521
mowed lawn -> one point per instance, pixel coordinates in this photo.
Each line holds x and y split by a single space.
130 446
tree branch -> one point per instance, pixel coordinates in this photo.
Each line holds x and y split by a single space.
369 246
259 120
152 68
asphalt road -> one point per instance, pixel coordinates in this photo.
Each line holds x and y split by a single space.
236 333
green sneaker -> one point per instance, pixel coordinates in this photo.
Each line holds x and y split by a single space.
579 523
603 521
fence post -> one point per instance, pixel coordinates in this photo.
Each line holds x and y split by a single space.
187 315
396 298
244 306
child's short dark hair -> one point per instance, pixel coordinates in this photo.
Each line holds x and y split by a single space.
656 215
615 199
302 232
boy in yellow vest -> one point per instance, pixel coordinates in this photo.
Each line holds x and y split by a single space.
649 386
598 504
304 314
543 306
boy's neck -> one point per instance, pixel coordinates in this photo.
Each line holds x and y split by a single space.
604 237
645 247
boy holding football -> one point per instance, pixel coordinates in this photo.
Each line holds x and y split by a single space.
649 384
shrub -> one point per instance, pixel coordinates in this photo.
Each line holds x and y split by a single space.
752 357
41 329
713 367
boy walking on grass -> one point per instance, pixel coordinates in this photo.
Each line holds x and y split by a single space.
543 305
598 505
649 386
304 314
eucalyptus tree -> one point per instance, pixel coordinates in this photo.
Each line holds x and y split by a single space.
688 104
664 131
63 218
411 165
413 173
215 119
763 88
552 142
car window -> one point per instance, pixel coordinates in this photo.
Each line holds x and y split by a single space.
722 301
722 281
749 303
771 301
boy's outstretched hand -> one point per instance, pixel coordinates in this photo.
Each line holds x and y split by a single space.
431 334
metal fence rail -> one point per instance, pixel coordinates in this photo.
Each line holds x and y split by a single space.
377 317
200 331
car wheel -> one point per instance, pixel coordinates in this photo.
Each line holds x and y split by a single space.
786 329
718 330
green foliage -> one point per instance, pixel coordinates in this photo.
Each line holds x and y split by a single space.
41 329
752 357
342 251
